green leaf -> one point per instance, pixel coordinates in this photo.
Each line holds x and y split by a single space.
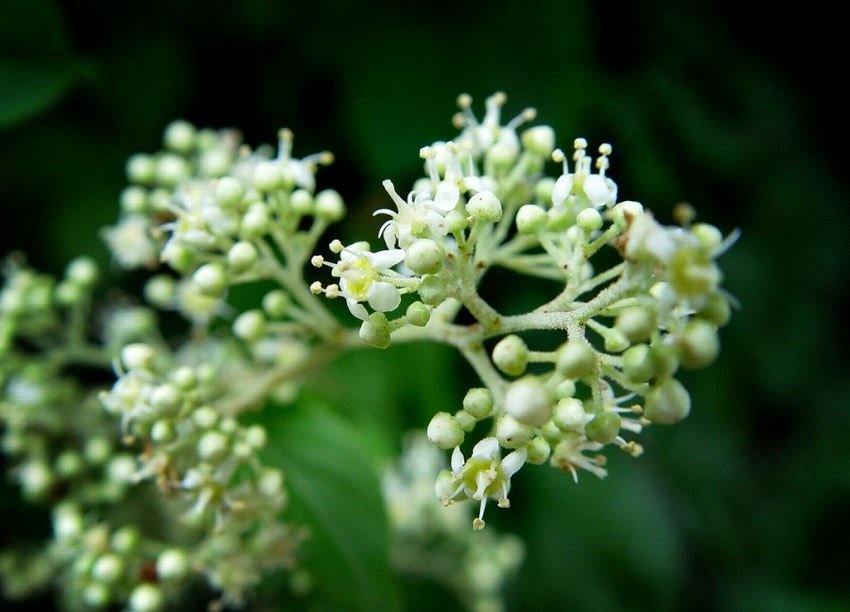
335 492
29 86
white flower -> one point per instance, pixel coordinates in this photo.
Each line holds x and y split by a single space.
481 136
130 242
418 215
485 475
366 277
594 188
648 238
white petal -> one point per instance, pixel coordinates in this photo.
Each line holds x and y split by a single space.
488 448
597 190
383 297
447 196
563 187
383 260
457 459
357 309
513 462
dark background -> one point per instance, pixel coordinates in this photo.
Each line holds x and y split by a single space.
742 507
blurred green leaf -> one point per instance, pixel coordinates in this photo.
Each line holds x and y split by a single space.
335 493
27 87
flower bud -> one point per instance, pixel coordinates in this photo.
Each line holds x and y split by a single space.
276 303
455 222
576 359
166 399
171 169
107 568
540 140
665 360
565 388
212 446
329 206
205 417
256 222
559 219
603 427
137 355
172 564
589 220
538 451
444 431
636 322
638 365
692 273
511 433
418 314
241 256
667 402
228 191
95 595
530 219
211 279
146 598
82 271
250 325
511 355
708 236
543 189
301 201
715 309
698 344
478 402
432 290
141 169
134 199
376 331
569 414
161 290
267 176
528 401
179 136
484 206
424 256
465 420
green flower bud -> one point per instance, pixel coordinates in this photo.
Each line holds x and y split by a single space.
589 220
698 344
569 414
531 219
205 417
376 331
636 322
603 428
565 388
213 446
501 155
276 303
185 378
667 402
250 325
68 293
301 201
241 256
432 290
161 291
267 176
538 451
708 236
478 402
82 271
484 206
125 540
511 355
329 206
141 169
465 420
576 359
215 162
559 219
108 568
228 191
638 365
137 355
96 595
528 401
444 431
97 451
172 564
256 222
665 360
715 310
692 273
540 140
162 431
69 464
424 256
171 169
418 314
543 189
511 433
615 341
455 222
179 136
146 598
211 279
166 399
134 199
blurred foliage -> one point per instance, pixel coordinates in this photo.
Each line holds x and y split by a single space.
742 507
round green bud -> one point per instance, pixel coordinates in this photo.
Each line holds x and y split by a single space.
162 431
465 420
270 482
180 258
172 564
708 236
134 199
511 355
665 360
424 256
698 344
205 417
256 222
569 414
589 220
166 399
97 451
211 279
432 290
146 598
125 540
615 341
538 451
376 331
141 169
68 293
667 402
543 189
559 219
276 303
83 271
171 169
455 222
250 325
160 200
484 206
241 256
213 446
121 469
636 322
185 378
179 136
207 138
531 219
215 162
418 314
329 206
576 359
69 464
96 595
511 433
108 568
540 140
603 427
137 355
715 310
161 290
692 273
444 431
267 176
228 191
478 402
528 401
500 155
638 365
256 437
444 485
301 201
